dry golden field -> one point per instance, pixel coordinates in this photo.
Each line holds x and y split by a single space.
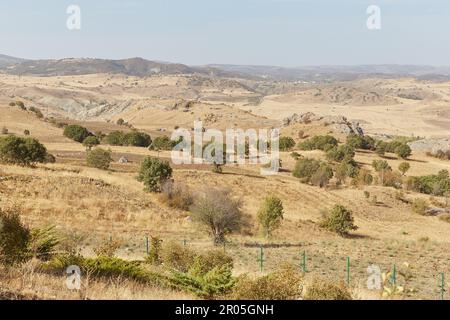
89 206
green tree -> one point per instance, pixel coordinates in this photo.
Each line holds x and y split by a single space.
162 143
404 167
115 138
153 173
286 143
91 141
270 215
137 139
381 165
305 168
339 220
403 151
76 132
22 151
99 158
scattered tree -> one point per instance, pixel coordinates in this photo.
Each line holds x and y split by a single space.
219 213
22 151
270 215
76 132
90 142
404 167
339 220
99 158
154 173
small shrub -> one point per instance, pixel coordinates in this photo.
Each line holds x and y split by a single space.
420 206
404 167
154 255
14 237
20 104
99 158
120 121
26 132
43 243
5 130
270 215
177 256
107 248
154 173
403 151
37 112
366 194
322 176
381 165
363 178
286 143
339 220
176 195
163 143
324 289
286 283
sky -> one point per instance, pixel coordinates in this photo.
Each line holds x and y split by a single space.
249 32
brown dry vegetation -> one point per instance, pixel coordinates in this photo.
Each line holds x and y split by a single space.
88 205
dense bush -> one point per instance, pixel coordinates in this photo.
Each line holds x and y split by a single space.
37 112
364 177
14 237
305 168
163 143
313 171
115 138
286 283
341 153
403 151
339 220
133 138
90 142
346 169
286 143
361 142
270 215
324 289
99 158
218 213
137 139
381 165
437 185
22 151
324 143
76 132
154 173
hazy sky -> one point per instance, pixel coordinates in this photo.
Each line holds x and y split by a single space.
270 32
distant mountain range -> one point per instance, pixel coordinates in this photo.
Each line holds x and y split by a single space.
142 67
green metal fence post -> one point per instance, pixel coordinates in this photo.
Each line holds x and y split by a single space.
348 270
261 258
